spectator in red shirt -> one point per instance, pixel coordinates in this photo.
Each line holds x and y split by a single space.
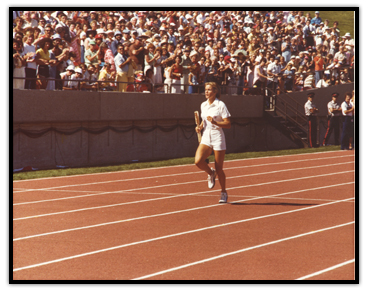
318 67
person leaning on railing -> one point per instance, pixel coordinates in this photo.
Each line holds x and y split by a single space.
107 75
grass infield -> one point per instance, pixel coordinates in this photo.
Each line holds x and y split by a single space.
165 163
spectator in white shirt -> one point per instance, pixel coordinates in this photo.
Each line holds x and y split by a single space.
324 82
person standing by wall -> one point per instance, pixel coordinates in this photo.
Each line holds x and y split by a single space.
311 111
347 109
334 113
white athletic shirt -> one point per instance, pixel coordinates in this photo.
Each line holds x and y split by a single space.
217 110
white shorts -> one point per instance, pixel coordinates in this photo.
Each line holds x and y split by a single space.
215 139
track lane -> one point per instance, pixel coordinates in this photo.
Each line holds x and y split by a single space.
154 256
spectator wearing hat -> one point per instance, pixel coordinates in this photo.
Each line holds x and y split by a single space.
126 34
311 112
90 35
74 83
118 40
333 120
91 55
316 19
66 76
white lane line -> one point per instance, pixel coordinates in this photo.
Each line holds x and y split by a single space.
158 168
174 235
174 196
184 210
326 270
241 251
162 176
176 184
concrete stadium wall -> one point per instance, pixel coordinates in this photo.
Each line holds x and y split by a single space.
77 129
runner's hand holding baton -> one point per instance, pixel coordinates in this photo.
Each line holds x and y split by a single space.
198 128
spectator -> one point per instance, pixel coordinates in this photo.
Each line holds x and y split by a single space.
74 83
150 58
91 55
186 64
324 82
176 74
309 82
108 76
288 78
18 25
18 65
318 67
108 56
43 60
28 21
136 52
31 66
221 33
66 76
316 20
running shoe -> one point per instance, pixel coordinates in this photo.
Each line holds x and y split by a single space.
212 179
223 198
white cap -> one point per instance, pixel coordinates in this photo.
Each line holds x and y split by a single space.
79 70
70 68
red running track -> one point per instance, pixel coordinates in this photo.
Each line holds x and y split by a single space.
287 218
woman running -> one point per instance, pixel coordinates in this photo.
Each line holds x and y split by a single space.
215 117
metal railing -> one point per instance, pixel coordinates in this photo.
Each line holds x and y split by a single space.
290 109
137 86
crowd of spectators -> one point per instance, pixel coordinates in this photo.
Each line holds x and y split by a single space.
245 52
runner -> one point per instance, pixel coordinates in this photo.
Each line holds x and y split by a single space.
215 116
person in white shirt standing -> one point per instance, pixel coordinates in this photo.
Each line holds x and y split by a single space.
334 113
311 111
31 66
215 117
273 70
347 109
